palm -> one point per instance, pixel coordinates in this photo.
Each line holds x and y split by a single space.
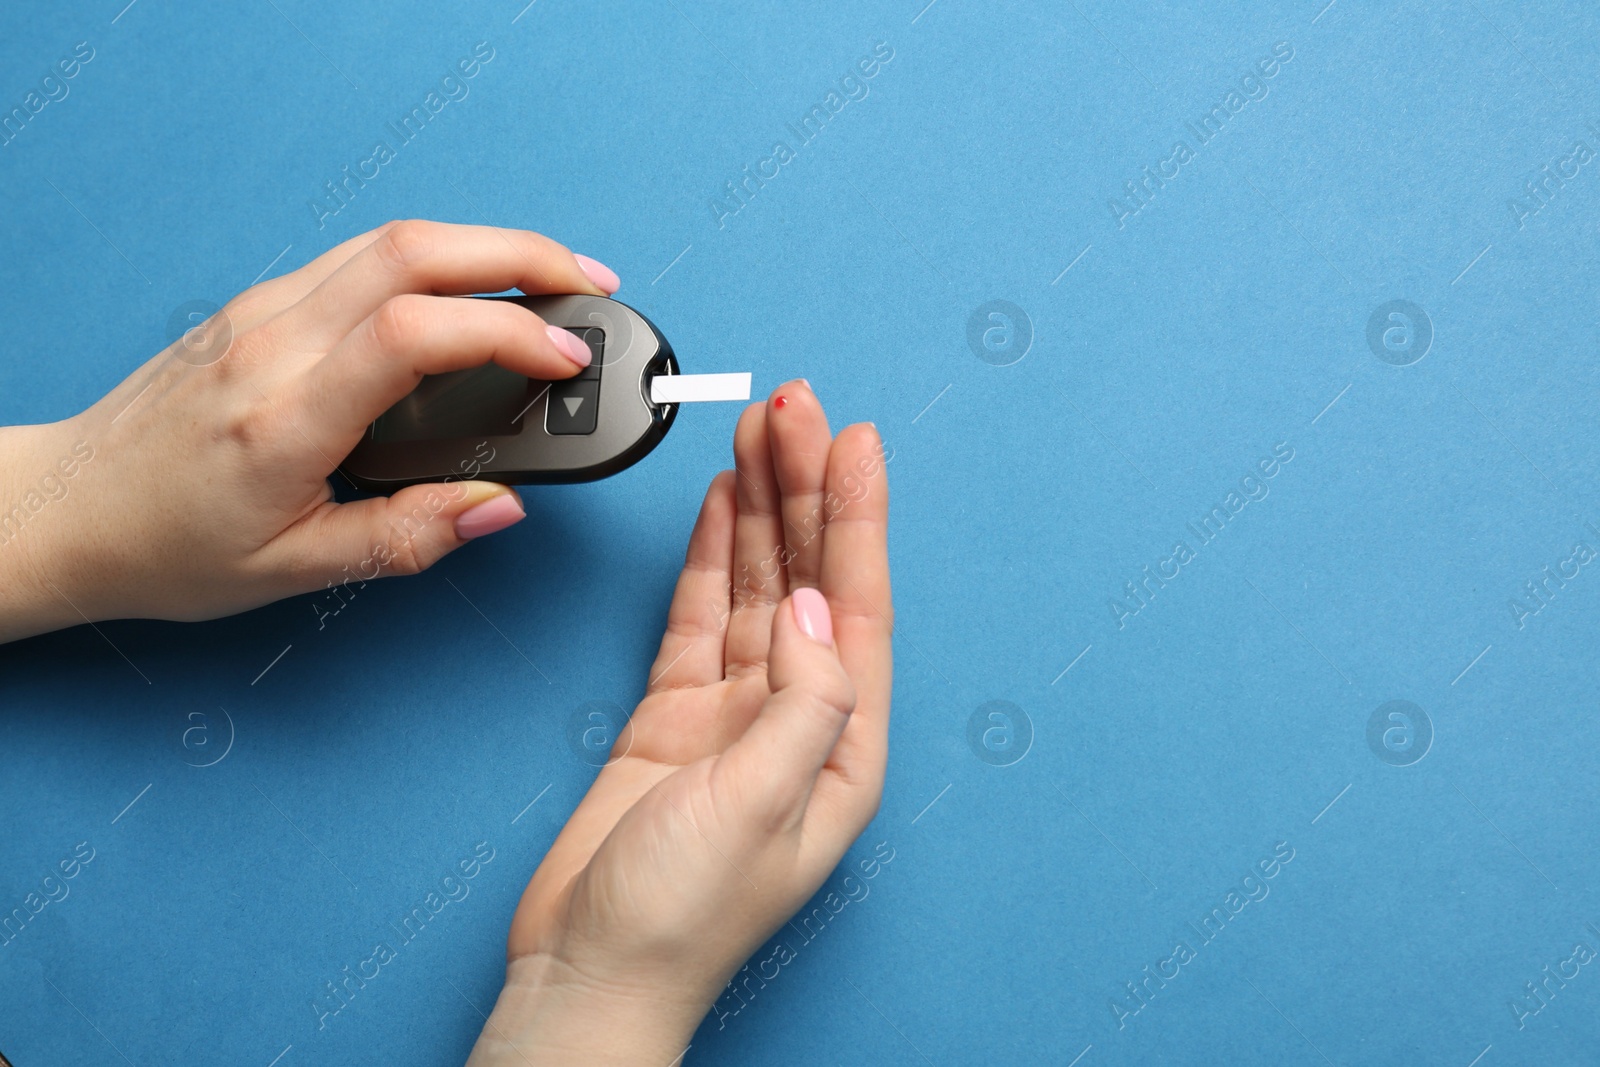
655 800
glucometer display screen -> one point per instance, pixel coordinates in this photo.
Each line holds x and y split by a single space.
487 401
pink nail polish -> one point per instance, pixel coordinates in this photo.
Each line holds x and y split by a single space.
603 276
489 517
570 345
812 616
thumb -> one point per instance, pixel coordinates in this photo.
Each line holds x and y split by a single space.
401 534
790 741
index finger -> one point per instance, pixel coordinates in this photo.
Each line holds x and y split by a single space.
435 259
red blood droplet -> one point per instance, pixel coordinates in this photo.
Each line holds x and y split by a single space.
778 403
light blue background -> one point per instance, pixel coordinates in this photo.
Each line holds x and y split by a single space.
1221 320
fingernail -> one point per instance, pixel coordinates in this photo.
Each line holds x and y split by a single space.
812 616
489 517
570 345
602 276
806 384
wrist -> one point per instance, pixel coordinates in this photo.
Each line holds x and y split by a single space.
549 1012
37 563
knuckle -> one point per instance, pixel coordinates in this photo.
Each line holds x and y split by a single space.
400 320
246 307
744 666
754 591
402 244
844 697
866 612
251 427
547 245
535 243
406 557
833 693
408 560
693 627
871 801
240 356
758 597
413 544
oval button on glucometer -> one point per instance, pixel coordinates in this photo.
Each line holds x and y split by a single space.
495 425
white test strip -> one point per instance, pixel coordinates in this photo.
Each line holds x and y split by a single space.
692 388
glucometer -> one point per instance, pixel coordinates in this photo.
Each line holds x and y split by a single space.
492 424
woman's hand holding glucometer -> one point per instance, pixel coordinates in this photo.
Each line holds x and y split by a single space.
199 486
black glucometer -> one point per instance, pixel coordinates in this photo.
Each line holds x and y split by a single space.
492 424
